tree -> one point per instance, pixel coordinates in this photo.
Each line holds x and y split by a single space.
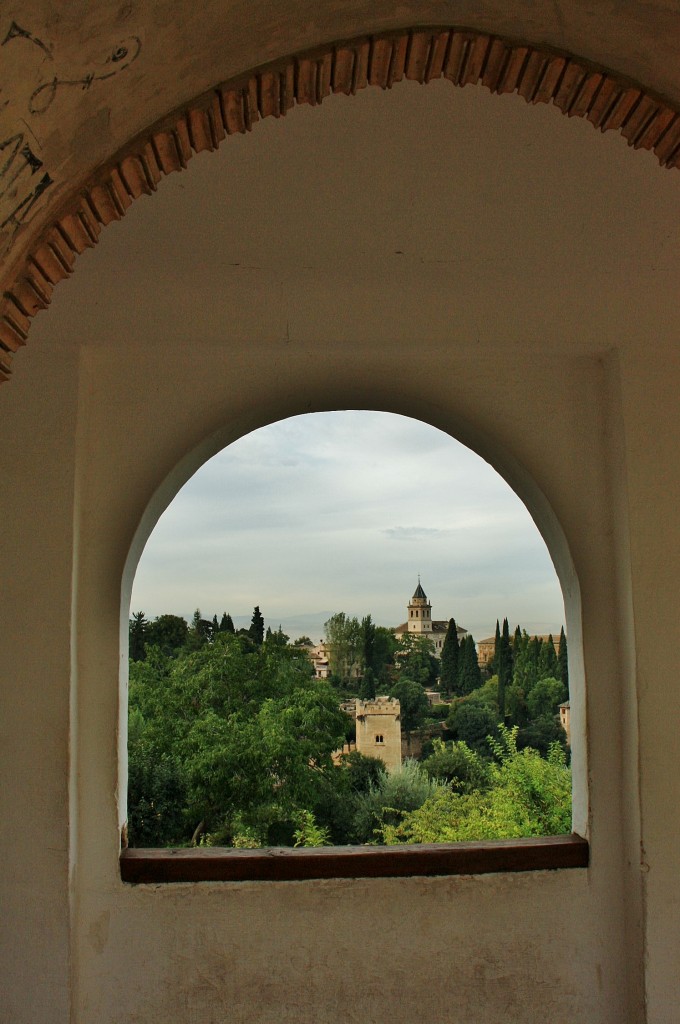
384 647
469 673
396 792
448 676
547 660
545 697
413 703
368 641
416 659
169 632
367 688
345 647
256 630
503 667
527 795
496 648
251 729
563 661
456 763
226 624
473 723
138 634
200 631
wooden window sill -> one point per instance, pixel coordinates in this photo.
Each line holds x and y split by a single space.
282 864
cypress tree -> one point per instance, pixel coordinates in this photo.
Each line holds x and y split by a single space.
562 660
547 660
138 631
504 667
256 631
367 685
469 672
226 624
450 656
496 648
533 652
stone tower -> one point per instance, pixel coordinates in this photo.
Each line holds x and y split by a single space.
379 730
420 613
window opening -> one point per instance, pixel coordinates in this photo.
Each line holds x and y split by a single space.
244 732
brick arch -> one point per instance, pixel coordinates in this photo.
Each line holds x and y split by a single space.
462 56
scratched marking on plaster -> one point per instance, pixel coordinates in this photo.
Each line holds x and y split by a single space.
122 56
23 177
17 32
18 189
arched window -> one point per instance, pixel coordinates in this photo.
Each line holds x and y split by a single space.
205 630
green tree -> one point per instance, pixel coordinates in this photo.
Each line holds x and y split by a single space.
503 667
473 723
226 624
138 635
396 792
563 660
496 648
200 631
547 660
545 697
368 641
416 659
527 795
345 647
384 647
251 729
367 686
449 661
413 703
456 763
169 632
469 672
256 631
541 733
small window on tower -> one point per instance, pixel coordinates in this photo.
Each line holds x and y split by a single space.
379 738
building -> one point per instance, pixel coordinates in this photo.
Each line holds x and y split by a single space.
379 730
419 622
457 255
320 657
486 648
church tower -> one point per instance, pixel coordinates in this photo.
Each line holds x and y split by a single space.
420 613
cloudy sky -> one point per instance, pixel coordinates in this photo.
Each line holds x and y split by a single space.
341 512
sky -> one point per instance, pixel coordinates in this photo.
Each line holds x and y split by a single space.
343 511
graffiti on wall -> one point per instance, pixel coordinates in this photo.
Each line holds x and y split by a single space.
24 178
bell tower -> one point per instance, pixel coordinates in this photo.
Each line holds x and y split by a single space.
419 612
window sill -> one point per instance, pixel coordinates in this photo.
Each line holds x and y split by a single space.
279 864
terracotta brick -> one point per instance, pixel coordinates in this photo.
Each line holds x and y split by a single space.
342 70
417 55
669 141
200 135
479 47
379 62
512 74
603 102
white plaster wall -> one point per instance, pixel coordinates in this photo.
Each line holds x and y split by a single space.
538 280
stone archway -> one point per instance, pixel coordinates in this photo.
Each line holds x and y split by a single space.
462 56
